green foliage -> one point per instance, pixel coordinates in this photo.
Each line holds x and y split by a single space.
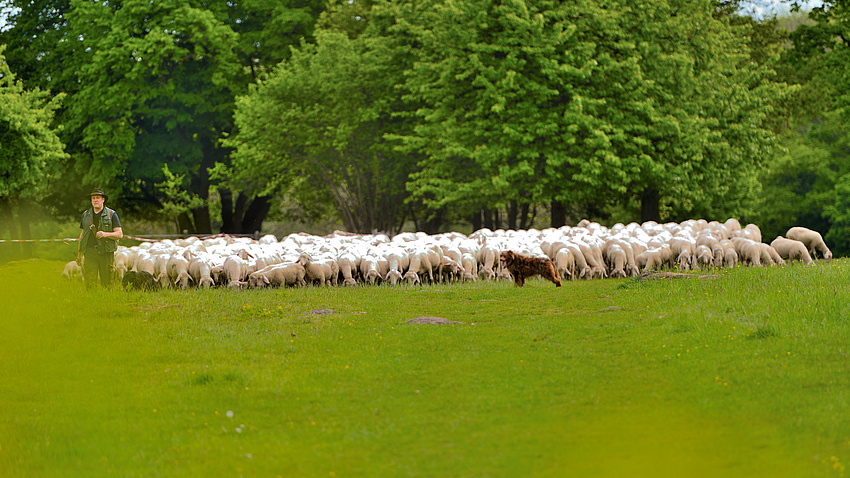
745 374
180 200
153 83
315 126
30 148
551 101
807 185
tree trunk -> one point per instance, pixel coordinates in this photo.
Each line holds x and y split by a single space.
228 224
7 218
527 220
559 214
649 205
512 214
257 211
243 216
487 218
476 220
184 224
201 219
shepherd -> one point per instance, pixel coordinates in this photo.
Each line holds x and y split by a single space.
98 241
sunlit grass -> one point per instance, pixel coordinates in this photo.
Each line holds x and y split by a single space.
742 375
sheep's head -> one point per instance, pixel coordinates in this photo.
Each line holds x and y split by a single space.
412 278
304 259
486 274
393 277
206 282
372 276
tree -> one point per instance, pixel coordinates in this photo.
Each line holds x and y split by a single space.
153 83
30 146
546 101
315 127
808 184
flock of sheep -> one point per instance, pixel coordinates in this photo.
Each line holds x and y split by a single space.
586 251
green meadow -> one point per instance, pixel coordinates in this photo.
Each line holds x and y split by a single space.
742 375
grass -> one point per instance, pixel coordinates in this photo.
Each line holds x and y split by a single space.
744 375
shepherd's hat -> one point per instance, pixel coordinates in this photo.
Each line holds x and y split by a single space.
99 192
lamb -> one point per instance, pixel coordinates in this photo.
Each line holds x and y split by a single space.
123 262
585 272
812 240
159 270
72 271
420 263
486 262
792 250
144 262
730 257
596 264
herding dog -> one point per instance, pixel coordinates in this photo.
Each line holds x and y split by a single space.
141 280
522 267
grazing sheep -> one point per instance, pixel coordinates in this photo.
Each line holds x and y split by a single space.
812 240
123 261
469 266
369 270
313 273
565 263
749 252
792 250
650 260
730 257
616 259
234 271
705 257
774 257
200 270
278 275
347 267
177 268
73 271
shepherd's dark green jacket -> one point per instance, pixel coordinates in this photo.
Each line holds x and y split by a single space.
103 221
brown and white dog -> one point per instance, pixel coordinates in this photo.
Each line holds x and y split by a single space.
523 267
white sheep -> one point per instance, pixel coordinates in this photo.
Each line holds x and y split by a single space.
812 240
72 271
278 275
177 268
792 250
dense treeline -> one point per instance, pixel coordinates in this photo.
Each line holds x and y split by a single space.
383 113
